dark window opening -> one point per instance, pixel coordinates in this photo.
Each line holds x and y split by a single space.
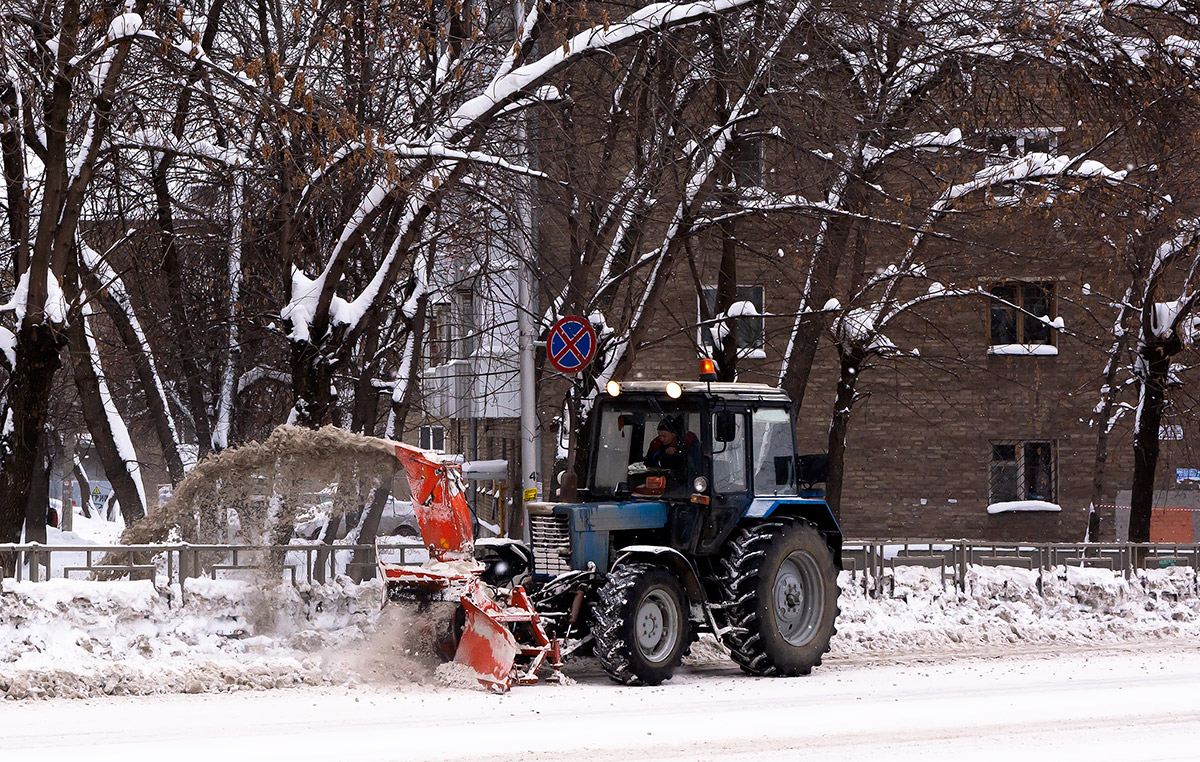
437 345
1022 471
432 438
748 163
1021 313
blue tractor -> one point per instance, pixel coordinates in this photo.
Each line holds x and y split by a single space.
696 515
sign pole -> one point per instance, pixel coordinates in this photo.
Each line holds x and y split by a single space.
526 309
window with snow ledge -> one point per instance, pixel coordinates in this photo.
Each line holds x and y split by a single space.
1022 472
748 305
432 438
1042 350
1022 320
1002 146
1023 505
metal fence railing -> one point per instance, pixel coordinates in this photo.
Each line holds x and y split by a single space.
309 562
872 563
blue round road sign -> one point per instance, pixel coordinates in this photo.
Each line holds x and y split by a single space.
571 344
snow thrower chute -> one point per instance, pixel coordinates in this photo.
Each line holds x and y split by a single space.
495 632
440 505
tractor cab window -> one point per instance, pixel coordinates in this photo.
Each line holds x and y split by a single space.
774 453
647 450
729 452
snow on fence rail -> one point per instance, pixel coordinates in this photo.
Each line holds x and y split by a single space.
876 560
307 562
871 563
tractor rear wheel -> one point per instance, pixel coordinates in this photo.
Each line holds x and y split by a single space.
780 583
640 624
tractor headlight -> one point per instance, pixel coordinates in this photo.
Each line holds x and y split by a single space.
674 390
613 389
699 484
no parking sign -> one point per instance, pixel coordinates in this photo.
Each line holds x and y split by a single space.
571 344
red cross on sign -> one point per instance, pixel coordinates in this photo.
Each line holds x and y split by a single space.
571 344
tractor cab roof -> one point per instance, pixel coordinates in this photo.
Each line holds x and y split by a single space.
728 391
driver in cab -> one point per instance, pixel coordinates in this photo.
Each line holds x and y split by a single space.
670 451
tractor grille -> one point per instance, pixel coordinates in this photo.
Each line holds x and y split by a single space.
551 544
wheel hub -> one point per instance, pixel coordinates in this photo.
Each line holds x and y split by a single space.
798 598
657 625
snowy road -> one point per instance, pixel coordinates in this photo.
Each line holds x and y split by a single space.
1131 702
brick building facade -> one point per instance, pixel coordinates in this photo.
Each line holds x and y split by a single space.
980 424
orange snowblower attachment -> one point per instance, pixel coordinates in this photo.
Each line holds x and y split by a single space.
496 634
441 508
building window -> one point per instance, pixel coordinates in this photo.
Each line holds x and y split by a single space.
1022 471
749 302
438 338
1021 319
465 340
433 438
748 162
1003 146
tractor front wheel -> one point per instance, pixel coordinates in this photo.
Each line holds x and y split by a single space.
640 624
780 583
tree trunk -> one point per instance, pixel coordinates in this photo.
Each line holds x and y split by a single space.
851 359
803 349
359 569
28 403
99 426
727 349
364 413
37 507
1103 415
64 454
310 385
1157 359
176 310
85 489
156 404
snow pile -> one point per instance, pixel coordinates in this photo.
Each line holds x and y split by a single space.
455 675
75 638
86 531
1003 606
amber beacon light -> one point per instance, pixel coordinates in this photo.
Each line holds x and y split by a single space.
708 369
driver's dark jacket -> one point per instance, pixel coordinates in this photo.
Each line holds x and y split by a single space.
687 449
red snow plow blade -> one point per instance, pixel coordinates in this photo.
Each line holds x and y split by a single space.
487 647
502 639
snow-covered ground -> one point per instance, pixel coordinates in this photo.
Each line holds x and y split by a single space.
1115 703
1093 667
75 638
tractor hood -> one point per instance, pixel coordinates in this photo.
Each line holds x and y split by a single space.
590 524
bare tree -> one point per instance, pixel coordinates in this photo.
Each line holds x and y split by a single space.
61 93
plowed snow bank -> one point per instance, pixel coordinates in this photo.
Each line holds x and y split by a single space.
78 639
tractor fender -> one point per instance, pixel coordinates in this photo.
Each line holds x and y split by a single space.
671 558
814 511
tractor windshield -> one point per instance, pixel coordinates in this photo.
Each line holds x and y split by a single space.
646 449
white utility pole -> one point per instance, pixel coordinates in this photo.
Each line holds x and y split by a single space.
526 305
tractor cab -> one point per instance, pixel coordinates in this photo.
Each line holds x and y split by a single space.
693 443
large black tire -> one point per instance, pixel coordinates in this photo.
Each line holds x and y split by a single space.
779 582
640 624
